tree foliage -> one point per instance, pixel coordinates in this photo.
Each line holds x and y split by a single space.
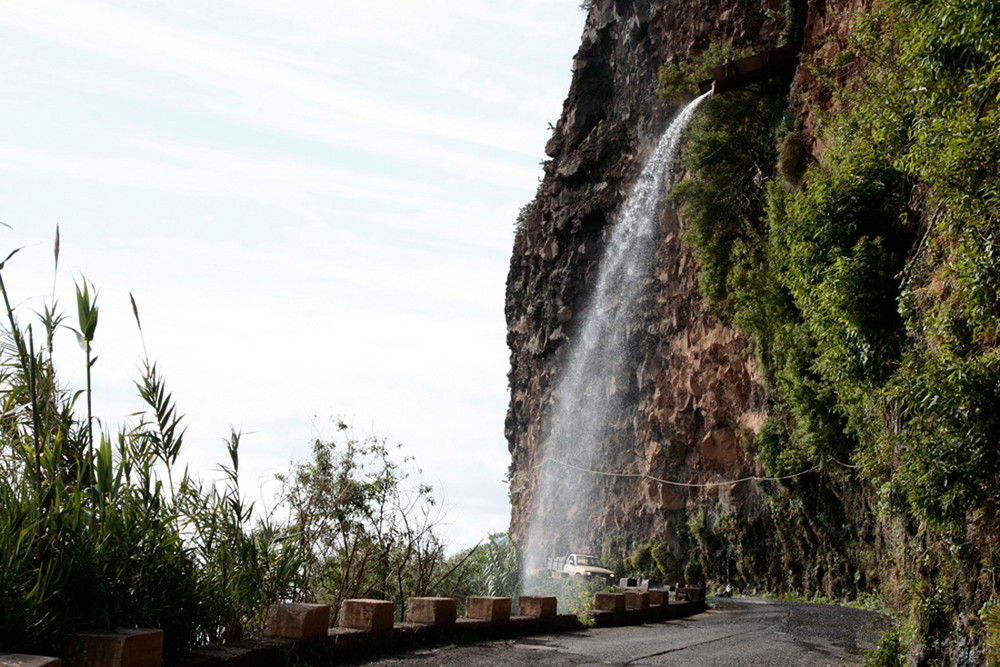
365 525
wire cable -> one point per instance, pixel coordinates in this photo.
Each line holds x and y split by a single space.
690 485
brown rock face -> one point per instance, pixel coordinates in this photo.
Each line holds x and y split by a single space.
826 34
692 396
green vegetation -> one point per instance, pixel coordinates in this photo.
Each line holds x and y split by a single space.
641 560
679 81
574 597
496 568
101 530
362 529
522 216
867 285
668 566
887 654
990 616
90 536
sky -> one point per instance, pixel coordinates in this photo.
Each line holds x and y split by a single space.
313 204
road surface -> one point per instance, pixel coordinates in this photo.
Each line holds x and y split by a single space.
733 633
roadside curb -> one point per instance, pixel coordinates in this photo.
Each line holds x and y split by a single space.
341 644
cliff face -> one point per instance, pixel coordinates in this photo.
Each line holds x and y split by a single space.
696 397
851 228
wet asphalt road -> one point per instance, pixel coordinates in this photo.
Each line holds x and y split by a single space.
732 633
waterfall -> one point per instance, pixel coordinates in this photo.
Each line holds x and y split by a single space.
592 392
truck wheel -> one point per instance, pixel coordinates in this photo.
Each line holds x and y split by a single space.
578 577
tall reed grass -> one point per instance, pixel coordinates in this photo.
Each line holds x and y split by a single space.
91 536
101 530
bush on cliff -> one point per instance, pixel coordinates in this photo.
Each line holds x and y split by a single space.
869 290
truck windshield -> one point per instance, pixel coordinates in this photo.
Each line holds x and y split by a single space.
588 560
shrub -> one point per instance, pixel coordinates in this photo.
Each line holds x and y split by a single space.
364 525
642 559
90 536
888 653
679 81
616 552
667 564
990 615
573 596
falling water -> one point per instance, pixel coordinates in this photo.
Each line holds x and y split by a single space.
592 393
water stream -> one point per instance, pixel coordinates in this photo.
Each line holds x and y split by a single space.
592 394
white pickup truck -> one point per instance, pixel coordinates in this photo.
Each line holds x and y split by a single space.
579 567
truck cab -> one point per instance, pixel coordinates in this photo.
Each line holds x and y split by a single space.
585 566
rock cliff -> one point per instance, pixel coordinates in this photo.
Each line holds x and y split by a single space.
696 397
847 218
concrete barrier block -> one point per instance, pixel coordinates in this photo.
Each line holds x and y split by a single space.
606 619
297 621
691 593
635 616
683 609
566 622
656 613
348 638
218 655
439 612
637 600
492 609
367 615
121 648
659 596
540 606
22 660
609 601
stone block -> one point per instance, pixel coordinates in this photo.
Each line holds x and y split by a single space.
367 615
656 613
637 600
659 596
605 619
540 606
439 612
121 648
691 593
676 610
22 660
635 616
297 621
609 601
492 609
348 638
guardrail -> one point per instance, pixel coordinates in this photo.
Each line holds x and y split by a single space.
301 631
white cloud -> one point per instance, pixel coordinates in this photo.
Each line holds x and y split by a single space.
254 82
